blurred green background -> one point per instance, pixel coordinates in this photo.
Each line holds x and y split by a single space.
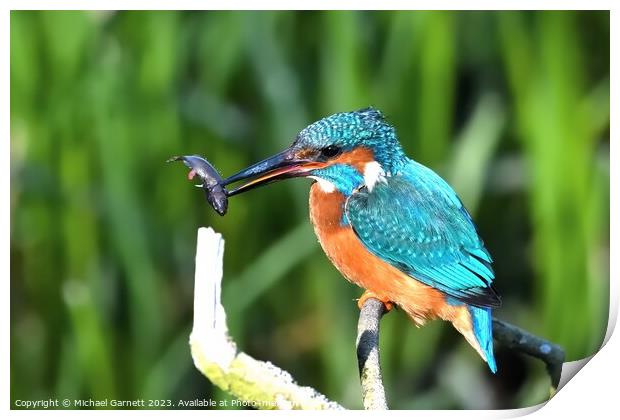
511 108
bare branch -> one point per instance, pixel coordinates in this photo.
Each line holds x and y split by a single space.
259 384
518 339
515 338
373 392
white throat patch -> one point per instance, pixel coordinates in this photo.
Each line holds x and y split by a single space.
325 185
373 173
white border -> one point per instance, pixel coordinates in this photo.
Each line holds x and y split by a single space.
592 392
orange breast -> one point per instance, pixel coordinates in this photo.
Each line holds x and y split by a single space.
363 268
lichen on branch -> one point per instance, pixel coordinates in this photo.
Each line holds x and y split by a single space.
215 354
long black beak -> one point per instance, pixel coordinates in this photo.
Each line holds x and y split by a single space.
285 164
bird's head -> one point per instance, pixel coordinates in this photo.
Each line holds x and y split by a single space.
342 152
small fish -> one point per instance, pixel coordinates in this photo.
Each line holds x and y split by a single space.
211 181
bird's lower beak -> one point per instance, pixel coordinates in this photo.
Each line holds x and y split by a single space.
286 164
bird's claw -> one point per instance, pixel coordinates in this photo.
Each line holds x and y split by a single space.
368 294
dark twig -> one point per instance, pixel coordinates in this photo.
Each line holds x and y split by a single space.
518 339
373 393
515 338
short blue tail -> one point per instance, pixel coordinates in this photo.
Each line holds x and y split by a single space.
483 330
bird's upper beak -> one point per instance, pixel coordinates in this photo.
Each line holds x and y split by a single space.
289 163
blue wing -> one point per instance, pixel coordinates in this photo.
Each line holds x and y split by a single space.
416 222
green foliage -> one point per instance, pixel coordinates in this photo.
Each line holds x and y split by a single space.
511 107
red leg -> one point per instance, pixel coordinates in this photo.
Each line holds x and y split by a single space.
368 294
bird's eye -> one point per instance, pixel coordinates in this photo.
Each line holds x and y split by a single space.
330 151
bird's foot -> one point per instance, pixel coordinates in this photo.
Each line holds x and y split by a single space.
368 294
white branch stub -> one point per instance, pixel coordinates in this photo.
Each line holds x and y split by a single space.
215 355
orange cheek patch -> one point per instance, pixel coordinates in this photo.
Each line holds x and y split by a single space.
357 158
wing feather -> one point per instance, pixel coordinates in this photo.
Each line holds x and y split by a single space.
416 222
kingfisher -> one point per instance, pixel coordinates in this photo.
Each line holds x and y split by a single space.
389 224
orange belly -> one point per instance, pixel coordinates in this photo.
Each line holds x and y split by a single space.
368 271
